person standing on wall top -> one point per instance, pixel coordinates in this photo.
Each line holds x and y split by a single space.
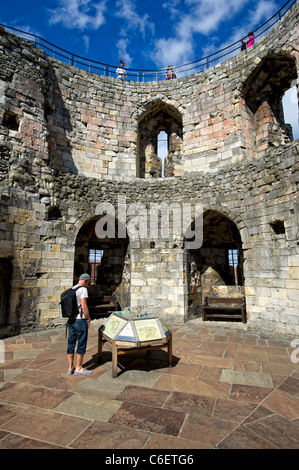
78 330
249 41
121 73
170 74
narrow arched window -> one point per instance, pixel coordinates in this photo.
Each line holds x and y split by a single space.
160 142
290 110
162 149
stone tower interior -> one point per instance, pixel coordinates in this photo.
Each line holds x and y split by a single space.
79 152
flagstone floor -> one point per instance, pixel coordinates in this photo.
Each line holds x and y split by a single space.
228 389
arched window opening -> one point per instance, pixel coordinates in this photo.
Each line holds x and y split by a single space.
94 264
11 120
162 149
233 262
54 213
290 109
263 93
160 142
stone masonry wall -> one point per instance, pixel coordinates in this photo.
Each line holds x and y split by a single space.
69 142
219 128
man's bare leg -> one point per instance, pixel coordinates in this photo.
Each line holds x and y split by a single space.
70 359
79 361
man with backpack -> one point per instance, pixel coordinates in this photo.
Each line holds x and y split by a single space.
78 328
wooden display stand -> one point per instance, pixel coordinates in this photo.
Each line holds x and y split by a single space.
123 347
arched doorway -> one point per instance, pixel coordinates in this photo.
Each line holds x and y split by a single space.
107 260
216 268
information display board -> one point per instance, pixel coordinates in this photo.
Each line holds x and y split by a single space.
134 327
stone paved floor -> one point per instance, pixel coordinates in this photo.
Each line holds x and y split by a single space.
228 389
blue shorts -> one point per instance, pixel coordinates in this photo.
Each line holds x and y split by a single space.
78 331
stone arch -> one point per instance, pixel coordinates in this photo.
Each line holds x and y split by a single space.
262 93
159 116
216 268
110 274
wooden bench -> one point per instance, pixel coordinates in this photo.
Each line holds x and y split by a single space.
100 305
224 307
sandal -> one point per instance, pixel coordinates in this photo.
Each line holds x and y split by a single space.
83 372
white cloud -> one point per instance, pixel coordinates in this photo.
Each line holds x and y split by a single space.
263 10
170 6
80 14
205 18
24 28
202 17
172 51
122 47
86 42
126 11
133 22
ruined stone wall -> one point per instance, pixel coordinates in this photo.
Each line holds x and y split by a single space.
69 141
253 196
223 121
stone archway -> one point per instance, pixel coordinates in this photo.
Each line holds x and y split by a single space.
216 268
160 117
111 270
263 92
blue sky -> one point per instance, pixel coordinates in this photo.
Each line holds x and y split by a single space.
146 34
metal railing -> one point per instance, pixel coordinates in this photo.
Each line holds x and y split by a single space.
142 75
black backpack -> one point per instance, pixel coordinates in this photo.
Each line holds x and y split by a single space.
69 305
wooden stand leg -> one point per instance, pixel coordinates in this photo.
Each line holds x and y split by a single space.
169 351
114 360
100 347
